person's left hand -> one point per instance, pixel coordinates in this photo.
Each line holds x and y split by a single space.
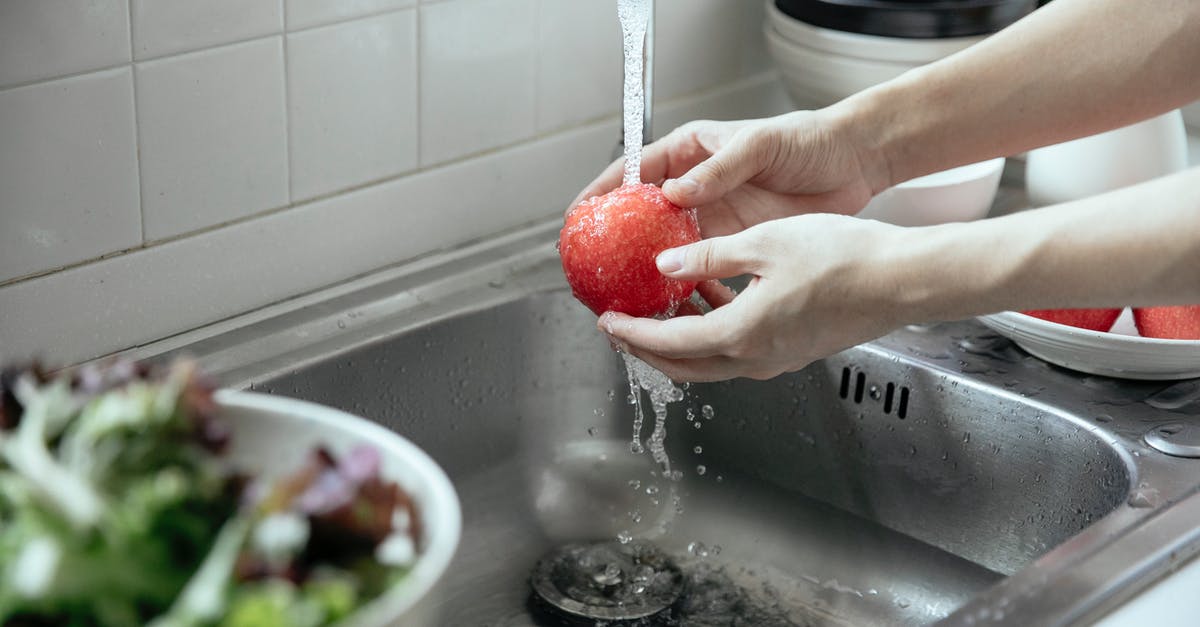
820 284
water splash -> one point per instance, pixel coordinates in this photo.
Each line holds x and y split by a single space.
662 390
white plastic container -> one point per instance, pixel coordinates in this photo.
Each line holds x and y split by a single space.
1111 160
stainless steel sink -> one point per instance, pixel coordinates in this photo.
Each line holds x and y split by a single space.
937 475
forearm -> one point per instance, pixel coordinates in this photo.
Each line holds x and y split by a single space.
1136 246
1073 68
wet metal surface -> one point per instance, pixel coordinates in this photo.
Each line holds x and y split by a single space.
938 475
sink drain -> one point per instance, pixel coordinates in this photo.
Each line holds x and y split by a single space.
607 581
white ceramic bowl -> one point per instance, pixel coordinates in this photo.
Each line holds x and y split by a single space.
874 47
821 66
1096 352
815 78
1107 161
956 195
273 434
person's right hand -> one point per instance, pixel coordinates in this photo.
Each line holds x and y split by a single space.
739 174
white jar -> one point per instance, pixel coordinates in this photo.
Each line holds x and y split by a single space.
1107 161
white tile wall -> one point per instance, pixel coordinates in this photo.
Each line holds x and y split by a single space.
206 162
212 136
163 27
247 265
306 13
43 39
579 62
352 98
68 172
698 44
477 76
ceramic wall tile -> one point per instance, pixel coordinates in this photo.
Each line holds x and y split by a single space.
163 27
308 13
42 39
68 172
579 62
212 136
352 98
477 76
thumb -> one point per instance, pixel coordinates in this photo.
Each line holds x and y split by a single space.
714 258
728 168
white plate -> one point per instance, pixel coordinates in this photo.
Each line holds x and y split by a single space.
273 434
1094 352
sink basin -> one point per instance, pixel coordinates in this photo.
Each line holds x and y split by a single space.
935 476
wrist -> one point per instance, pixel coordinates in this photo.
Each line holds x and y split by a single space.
861 122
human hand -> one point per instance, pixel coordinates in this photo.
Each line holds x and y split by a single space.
820 284
739 174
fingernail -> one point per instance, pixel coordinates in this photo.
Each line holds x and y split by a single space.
670 260
606 323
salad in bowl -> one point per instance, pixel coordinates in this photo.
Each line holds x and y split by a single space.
132 495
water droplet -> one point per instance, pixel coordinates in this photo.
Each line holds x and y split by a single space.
873 391
341 324
624 537
635 516
696 424
599 411
902 602
700 470
707 412
720 478
592 431
698 449
698 549
635 484
1104 418
966 437
652 490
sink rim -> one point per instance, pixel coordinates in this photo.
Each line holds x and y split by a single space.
1080 580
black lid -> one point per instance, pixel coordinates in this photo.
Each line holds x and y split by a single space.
914 19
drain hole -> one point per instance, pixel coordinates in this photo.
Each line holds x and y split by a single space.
902 412
860 383
845 389
887 398
605 582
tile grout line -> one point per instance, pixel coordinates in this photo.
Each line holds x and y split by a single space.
419 75
287 104
538 114
137 135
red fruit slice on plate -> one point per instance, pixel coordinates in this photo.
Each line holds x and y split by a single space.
1093 319
1180 322
608 246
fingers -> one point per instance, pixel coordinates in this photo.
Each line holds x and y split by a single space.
700 370
676 153
729 167
713 258
682 337
715 293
